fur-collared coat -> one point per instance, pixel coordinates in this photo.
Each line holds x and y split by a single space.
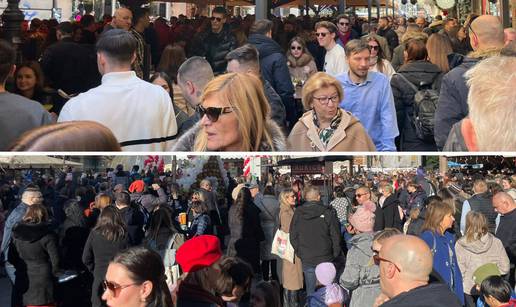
187 141
301 68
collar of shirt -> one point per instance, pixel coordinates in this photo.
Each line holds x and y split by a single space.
115 78
346 79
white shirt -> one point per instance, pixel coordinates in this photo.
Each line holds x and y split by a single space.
388 70
139 114
335 61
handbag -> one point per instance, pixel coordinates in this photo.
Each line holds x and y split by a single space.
169 261
281 246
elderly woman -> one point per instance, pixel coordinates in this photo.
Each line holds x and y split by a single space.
235 116
325 126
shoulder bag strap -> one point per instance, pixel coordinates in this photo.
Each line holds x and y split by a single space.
172 241
408 82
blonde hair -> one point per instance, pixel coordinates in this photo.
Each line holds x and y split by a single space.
102 201
245 95
316 82
436 211
492 103
283 196
439 47
476 226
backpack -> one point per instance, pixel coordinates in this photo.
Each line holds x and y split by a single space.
425 104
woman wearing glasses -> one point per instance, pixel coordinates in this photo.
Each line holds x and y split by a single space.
105 240
438 220
377 60
291 273
234 117
136 277
301 64
325 126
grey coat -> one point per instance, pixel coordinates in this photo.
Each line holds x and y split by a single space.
269 207
361 276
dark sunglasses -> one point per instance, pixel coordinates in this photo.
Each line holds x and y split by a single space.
218 19
377 259
360 195
296 48
344 23
213 113
114 288
323 34
374 47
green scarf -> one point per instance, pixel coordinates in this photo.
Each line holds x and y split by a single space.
326 133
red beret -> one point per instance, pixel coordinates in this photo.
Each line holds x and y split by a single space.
198 253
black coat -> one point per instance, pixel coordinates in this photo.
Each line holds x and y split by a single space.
390 35
215 47
134 219
391 213
97 254
416 72
274 69
34 254
315 233
431 295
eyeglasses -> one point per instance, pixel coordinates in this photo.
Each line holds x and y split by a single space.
296 48
325 100
344 23
114 288
377 259
213 113
374 47
218 19
322 34
360 195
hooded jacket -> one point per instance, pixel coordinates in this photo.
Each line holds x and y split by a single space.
416 72
187 141
431 295
315 233
471 255
35 256
350 135
453 97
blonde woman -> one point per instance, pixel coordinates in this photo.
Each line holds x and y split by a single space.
476 248
235 116
325 126
291 273
439 47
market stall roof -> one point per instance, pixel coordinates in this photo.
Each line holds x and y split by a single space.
280 3
349 3
307 160
214 2
34 161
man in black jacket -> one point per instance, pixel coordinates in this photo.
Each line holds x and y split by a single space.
133 217
506 230
386 31
217 42
315 235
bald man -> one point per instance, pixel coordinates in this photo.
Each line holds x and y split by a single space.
362 195
122 19
487 39
405 266
504 205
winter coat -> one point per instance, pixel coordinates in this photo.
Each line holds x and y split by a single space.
274 69
97 254
134 219
455 141
149 201
453 104
431 295
416 200
471 255
506 232
201 225
390 35
269 208
14 218
72 237
397 57
292 273
391 213
215 46
186 142
189 295
34 254
416 72
277 109
350 135
301 69
315 233
445 260
361 276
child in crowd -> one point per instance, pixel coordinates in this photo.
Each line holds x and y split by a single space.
328 293
497 292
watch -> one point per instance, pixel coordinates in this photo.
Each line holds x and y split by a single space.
445 4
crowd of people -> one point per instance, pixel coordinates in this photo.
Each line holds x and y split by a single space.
232 83
404 238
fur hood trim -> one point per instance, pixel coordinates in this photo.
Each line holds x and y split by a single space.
303 60
485 53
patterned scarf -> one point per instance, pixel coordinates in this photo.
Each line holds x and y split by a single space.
326 133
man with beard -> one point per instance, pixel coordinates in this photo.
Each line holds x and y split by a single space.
369 97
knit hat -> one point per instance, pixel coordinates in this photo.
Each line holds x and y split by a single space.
325 273
137 186
484 271
363 219
198 252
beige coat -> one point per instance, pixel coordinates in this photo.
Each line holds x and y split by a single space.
291 273
471 255
349 136
301 69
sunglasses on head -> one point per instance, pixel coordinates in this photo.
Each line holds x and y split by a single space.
213 113
296 47
218 19
374 47
322 34
114 288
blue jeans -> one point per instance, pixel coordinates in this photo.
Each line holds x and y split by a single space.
310 279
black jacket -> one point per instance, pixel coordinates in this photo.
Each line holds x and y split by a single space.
431 295
278 113
416 72
135 221
391 213
34 254
274 69
391 37
315 233
215 47
506 232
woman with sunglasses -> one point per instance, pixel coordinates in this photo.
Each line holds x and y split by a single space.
234 117
325 126
105 240
435 232
377 60
360 277
291 273
301 64
136 277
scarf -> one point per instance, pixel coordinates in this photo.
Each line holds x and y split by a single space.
326 133
344 38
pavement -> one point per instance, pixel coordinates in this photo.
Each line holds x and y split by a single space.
5 292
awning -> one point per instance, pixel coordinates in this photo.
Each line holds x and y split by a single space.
213 2
35 162
308 160
349 3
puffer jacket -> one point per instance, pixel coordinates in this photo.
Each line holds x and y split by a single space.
215 47
416 72
471 255
453 97
361 276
